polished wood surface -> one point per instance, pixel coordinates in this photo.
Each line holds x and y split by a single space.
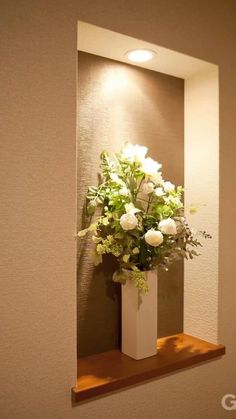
109 371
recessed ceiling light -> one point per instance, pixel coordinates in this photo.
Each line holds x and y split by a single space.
140 55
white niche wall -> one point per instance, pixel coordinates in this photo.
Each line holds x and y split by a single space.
201 171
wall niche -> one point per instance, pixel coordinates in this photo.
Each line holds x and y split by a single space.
118 102
171 105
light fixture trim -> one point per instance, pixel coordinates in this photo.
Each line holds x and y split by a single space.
140 55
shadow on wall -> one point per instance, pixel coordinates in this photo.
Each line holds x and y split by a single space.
99 305
170 300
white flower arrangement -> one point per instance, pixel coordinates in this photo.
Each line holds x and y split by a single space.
141 217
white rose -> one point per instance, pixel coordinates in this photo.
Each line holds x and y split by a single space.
153 237
148 188
168 226
135 153
159 192
124 191
150 167
168 186
128 221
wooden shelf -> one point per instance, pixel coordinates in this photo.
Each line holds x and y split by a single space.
109 371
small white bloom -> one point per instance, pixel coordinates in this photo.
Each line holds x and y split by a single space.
156 178
124 191
147 188
150 167
159 192
168 226
130 208
135 153
177 202
173 200
128 221
115 178
153 237
168 186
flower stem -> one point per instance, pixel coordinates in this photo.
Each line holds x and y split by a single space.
149 202
139 186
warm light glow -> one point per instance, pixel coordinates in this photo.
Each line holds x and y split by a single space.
140 55
114 81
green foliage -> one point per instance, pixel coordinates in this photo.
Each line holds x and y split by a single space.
162 211
138 277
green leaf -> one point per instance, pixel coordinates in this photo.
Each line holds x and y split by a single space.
97 259
119 276
92 227
134 233
126 258
91 209
83 233
119 236
93 189
105 221
100 200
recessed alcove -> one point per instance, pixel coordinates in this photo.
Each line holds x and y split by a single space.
194 108
119 102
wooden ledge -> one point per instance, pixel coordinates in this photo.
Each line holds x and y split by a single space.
109 371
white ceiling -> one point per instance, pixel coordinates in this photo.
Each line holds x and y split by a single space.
109 44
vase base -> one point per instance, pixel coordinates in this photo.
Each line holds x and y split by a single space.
138 357
139 319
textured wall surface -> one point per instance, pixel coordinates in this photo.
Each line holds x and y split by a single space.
201 279
38 214
117 103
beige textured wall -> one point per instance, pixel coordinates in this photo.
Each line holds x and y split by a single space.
202 168
38 275
117 103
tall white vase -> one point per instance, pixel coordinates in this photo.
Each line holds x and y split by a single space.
139 319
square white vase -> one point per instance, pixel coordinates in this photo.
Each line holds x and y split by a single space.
139 319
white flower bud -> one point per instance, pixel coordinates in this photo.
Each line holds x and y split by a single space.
124 191
156 178
168 226
168 186
130 208
173 200
147 188
150 166
134 153
159 192
128 221
115 178
153 237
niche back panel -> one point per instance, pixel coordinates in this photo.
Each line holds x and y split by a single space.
118 102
